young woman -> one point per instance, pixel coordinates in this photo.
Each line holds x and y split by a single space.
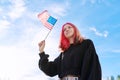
78 59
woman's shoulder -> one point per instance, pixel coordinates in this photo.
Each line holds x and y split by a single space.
87 41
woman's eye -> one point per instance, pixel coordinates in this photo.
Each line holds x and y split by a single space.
64 29
69 27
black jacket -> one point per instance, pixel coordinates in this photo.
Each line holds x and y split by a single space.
79 60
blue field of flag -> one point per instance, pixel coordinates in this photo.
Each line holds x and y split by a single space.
52 20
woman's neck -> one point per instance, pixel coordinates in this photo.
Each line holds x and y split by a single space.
71 41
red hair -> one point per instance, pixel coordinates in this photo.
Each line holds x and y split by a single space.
64 42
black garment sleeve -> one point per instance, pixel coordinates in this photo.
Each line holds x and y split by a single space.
91 69
49 68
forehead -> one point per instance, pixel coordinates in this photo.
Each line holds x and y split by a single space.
68 25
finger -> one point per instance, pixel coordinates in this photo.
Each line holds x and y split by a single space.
41 43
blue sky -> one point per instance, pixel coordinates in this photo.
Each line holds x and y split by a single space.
21 30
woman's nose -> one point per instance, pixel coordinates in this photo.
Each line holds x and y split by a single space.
66 29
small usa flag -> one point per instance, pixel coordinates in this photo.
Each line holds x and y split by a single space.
47 20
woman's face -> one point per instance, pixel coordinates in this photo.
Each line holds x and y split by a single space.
68 31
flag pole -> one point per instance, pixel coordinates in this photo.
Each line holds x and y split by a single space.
47 20
47 34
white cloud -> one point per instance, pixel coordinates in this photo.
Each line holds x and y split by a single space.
7 61
22 56
1 10
104 34
93 1
4 26
13 12
116 51
16 9
84 2
58 9
19 60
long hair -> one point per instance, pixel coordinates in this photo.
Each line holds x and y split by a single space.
64 42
